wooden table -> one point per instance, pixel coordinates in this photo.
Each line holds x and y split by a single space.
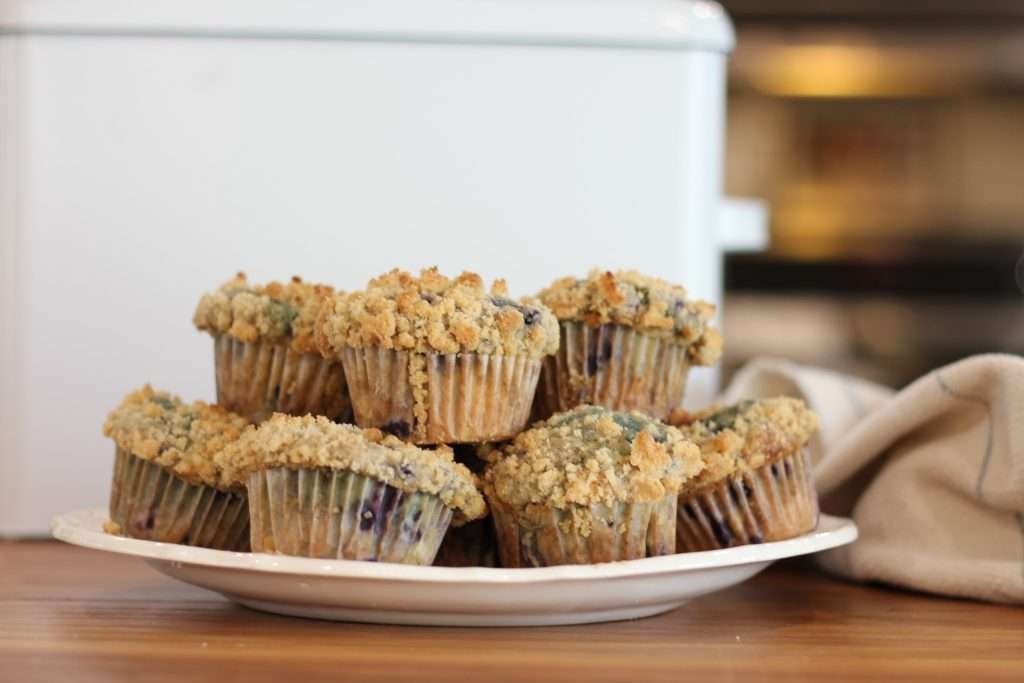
73 614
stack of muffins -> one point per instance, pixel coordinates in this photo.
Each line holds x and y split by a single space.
441 378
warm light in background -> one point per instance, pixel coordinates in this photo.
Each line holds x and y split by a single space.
849 71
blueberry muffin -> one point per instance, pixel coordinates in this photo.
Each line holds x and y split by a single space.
263 350
473 544
589 485
328 490
168 484
627 343
438 360
757 485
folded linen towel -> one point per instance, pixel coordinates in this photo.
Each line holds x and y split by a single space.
933 474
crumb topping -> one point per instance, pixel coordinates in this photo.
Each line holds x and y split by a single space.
435 314
313 442
644 303
276 312
590 455
745 436
183 438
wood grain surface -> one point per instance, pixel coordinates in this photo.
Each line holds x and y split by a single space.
73 614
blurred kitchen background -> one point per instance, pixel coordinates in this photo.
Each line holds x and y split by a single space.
888 139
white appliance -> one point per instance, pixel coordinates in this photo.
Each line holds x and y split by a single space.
150 150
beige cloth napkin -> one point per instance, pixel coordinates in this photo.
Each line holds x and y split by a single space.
933 475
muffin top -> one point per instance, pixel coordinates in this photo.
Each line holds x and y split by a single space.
745 436
275 312
434 314
591 455
185 439
647 304
310 442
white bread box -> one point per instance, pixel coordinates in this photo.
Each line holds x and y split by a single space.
150 150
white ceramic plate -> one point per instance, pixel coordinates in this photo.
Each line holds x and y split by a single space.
401 594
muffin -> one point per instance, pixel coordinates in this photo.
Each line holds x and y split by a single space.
627 343
472 544
589 485
264 354
436 360
168 484
328 490
757 485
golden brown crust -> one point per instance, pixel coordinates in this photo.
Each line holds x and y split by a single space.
745 436
434 314
310 442
591 455
184 439
643 303
275 312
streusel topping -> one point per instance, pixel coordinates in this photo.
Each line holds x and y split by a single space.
435 314
644 303
745 436
276 312
591 455
183 438
310 442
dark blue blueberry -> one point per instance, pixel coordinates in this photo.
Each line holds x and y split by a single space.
416 515
721 532
275 395
775 470
690 512
429 297
419 534
392 497
598 357
405 470
530 315
788 468
747 491
366 520
756 538
399 428
371 513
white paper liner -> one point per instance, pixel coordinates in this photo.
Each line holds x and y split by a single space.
150 503
772 503
441 398
612 366
343 515
258 379
542 536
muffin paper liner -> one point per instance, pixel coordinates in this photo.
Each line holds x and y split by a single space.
343 515
772 503
257 379
441 398
150 503
542 536
612 366
470 545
